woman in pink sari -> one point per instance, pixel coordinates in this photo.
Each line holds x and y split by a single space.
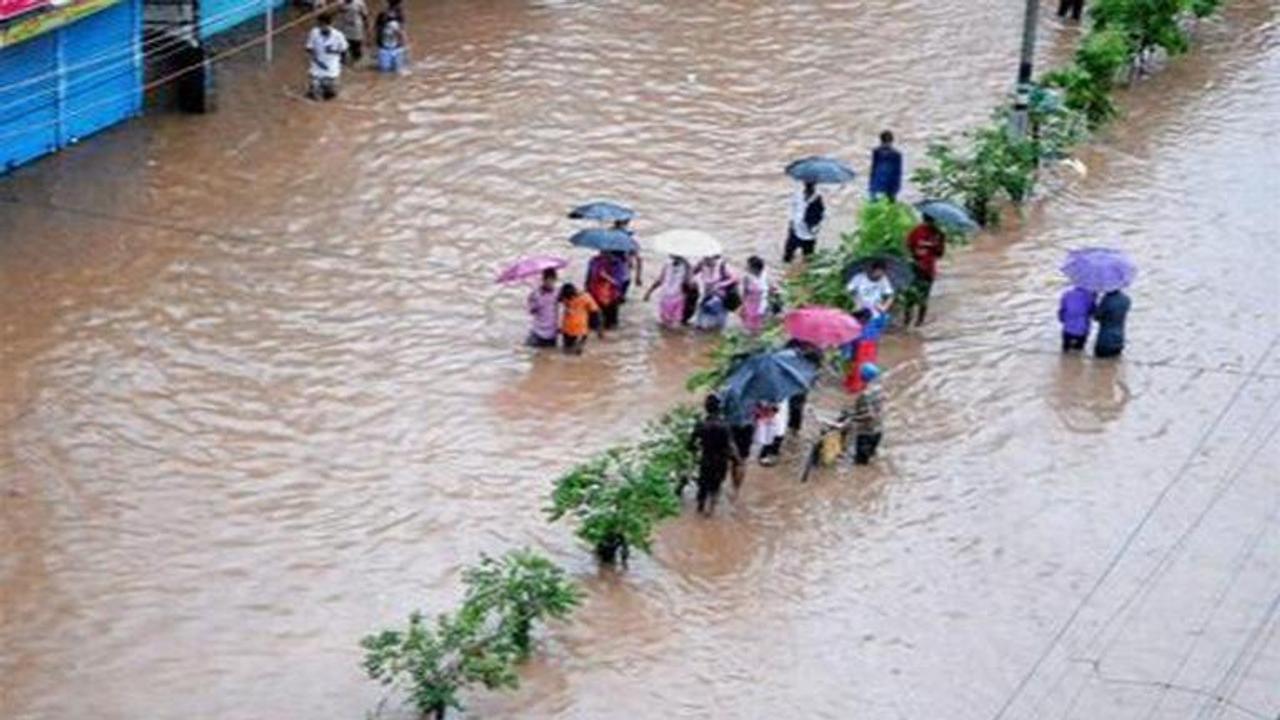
755 296
674 283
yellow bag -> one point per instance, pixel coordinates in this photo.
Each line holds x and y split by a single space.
832 447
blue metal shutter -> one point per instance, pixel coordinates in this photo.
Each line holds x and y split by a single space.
219 15
103 61
28 101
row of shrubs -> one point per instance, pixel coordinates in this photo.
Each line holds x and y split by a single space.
619 497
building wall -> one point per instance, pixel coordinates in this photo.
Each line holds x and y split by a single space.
62 85
220 15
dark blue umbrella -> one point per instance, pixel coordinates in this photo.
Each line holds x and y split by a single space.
948 214
605 239
602 210
766 378
820 171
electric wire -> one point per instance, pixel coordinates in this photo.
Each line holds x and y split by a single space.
1129 540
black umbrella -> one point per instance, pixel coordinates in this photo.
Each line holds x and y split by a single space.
899 270
602 210
820 171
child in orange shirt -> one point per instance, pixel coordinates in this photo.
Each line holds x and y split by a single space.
575 321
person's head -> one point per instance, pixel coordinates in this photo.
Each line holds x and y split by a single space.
869 372
877 270
755 265
886 137
712 404
678 261
621 223
862 315
394 4
810 189
549 279
324 22
930 220
568 292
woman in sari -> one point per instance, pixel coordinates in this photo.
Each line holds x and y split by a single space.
673 283
604 288
714 280
755 296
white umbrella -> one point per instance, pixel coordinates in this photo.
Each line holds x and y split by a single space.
686 243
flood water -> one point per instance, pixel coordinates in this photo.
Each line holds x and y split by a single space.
258 396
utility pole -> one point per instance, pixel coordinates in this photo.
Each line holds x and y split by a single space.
268 47
1030 18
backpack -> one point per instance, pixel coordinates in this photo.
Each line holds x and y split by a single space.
814 212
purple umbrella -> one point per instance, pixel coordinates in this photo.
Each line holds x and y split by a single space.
1099 269
530 267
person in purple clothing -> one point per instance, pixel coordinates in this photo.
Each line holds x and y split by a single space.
542 303
1075 312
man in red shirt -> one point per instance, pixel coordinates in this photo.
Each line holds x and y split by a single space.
926 244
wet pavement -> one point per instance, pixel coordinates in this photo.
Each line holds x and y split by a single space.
258 396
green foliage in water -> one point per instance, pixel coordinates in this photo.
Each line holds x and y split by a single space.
1088 82
1147 24
434 661
883 226
992 165
618 498
479 644
515 591
666 446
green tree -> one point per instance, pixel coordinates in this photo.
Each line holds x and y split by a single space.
511 593
434 663
618 500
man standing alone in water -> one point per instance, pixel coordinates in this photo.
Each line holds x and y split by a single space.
886 169
716 451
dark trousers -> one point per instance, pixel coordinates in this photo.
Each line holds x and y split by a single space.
608 316
865 448
710 478
773 449
1073 7
1073 343
690 305
355 51
794 243
795 413
743 436
1107 351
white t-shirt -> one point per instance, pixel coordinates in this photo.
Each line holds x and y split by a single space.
799 207
868 293
326 53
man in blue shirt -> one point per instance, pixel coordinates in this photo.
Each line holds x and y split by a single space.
1111 312
886 169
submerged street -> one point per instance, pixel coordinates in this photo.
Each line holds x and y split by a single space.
259 395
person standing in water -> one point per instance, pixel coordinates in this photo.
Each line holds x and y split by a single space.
756 296
575 321
1111 313
544 311
927 245
716 453
389 32
604 287
714 282
627 265
353 23
868 416
807 212
1075 8
1075 310
325 48
886 169
674 281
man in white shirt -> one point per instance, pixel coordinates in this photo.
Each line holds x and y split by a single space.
325 47
807 211
871 290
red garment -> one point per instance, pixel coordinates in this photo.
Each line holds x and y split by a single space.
600 283
926 244
867 351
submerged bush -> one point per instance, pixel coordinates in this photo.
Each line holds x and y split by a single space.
481 643
618 500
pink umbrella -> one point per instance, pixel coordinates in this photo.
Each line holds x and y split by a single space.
530 267
822 326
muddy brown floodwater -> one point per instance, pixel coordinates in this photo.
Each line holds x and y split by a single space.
258 396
